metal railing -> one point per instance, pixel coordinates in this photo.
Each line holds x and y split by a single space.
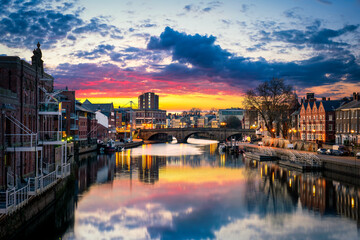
63 170
49 107
10 180
48 136
48 180
74 127
20 140
35 185
48 167
74 116
12 199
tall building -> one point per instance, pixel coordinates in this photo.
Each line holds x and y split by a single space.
148 114
148 100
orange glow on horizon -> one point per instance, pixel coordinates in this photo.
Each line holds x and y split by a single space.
180 102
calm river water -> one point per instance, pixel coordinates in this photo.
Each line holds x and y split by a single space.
190 191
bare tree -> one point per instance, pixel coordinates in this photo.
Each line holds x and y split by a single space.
273 100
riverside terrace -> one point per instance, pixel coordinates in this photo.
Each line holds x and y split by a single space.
182 134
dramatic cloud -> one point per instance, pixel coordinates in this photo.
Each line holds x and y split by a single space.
208 59
313 36
96 53
197 61
23 23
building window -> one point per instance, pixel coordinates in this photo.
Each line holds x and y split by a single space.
330 117
330 127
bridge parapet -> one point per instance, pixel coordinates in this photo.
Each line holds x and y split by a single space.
182 134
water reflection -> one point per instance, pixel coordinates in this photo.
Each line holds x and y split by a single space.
148 193
195 193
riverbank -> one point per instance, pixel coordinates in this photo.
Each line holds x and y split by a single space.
11 224
340 164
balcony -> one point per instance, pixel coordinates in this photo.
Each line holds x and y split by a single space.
74 127
50 108
50 137
21 142
74 116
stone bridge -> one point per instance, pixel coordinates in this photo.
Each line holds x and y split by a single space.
182 134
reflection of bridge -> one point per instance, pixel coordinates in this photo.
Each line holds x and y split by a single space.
182 134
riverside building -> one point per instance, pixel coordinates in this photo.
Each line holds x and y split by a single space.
33 155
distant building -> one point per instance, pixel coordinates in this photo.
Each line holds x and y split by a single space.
152 118
348 122
102 128
250 119
106 109
148 115
236 112
87 133
148 100
70 120
125 119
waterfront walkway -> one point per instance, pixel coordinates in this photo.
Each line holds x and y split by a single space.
343 164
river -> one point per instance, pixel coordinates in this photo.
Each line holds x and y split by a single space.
190 191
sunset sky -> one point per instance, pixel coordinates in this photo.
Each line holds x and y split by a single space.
192 53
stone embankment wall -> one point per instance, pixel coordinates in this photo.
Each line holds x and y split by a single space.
12 223
283 143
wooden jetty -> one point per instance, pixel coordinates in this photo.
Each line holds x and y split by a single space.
260 157
303 167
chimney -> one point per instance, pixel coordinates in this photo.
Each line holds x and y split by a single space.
310 95
354 96
324 98
302 101
328 99
358 96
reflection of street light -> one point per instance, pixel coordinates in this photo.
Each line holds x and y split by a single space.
273 130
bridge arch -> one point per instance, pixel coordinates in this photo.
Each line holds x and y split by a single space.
208 134
159 136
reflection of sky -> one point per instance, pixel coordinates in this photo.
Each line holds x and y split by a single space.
202 202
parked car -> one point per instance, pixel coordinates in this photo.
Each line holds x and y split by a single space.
321 151
357 155
329 152
338 153
342 149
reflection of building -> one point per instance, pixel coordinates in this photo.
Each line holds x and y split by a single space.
148 168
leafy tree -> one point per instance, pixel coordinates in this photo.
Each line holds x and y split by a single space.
232 122
274 102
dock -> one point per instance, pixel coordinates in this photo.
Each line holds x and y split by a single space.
260 157
303 167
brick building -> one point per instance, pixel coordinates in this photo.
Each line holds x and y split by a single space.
30 122
317 119
348 122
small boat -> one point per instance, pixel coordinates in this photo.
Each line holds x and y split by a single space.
222 147
120 149
110 146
